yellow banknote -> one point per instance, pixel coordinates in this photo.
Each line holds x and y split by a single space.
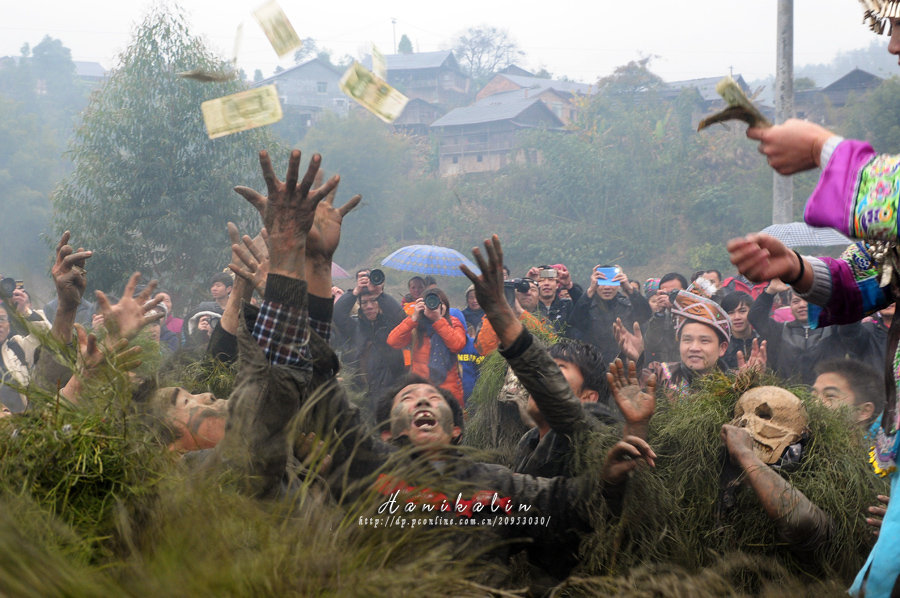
241 111
277 28
373 93
379 64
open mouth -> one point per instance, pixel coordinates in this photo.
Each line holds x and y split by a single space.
424 420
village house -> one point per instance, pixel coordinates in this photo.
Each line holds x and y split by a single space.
482 137
309 90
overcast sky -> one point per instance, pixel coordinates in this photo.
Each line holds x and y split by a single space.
583 40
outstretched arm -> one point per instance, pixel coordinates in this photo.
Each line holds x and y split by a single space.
798 520
531 363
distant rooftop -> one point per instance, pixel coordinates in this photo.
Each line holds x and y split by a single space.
706 86
93 70
500 106
299 67
540 83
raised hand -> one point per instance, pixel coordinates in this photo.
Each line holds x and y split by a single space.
250 259
325 233
624 457
636 404
489 285
631 344
127 317
761 257
68 272
288 211
489 291
91 357
757 359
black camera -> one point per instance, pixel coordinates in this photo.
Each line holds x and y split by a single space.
7 286
511 287
432 300
376 277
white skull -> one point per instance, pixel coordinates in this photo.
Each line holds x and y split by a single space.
513 391
774 417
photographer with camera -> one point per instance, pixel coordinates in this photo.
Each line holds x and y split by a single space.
377 365
520 293
14 366
434 338
608 298
23 320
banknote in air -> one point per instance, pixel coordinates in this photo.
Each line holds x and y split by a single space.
241 111
277 28
373 93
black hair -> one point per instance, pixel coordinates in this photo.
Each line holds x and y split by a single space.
865 381
716 272
358 272
736 299
386 403
222 277
430 281
419 278
673 276
589 361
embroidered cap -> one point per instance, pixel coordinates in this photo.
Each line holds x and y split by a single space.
688 306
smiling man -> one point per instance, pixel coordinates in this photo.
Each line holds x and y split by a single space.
702 330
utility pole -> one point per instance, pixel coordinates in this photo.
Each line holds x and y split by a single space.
394 23
783 186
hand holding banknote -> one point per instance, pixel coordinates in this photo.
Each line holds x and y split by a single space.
791 147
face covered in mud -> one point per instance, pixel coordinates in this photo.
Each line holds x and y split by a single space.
198 419
421 413
775 419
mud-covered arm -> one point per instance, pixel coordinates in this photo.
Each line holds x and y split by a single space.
799 522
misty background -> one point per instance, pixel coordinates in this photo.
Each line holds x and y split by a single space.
121 158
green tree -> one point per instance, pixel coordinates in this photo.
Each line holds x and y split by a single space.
150 190
405 46
874 117
39 101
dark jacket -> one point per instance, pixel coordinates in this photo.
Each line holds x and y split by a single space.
358 455
660 343
553 455
376 364
592 320
744 345
792 348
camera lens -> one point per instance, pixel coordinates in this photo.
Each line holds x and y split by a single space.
376 277
523 285
432 301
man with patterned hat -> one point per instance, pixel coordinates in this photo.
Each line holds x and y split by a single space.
702 329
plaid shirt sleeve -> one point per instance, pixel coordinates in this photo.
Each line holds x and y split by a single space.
320 314
282 326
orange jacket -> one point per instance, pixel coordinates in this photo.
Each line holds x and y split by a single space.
453 335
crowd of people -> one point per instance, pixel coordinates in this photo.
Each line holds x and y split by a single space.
603 367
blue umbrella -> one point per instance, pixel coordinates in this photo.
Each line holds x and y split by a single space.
428 259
